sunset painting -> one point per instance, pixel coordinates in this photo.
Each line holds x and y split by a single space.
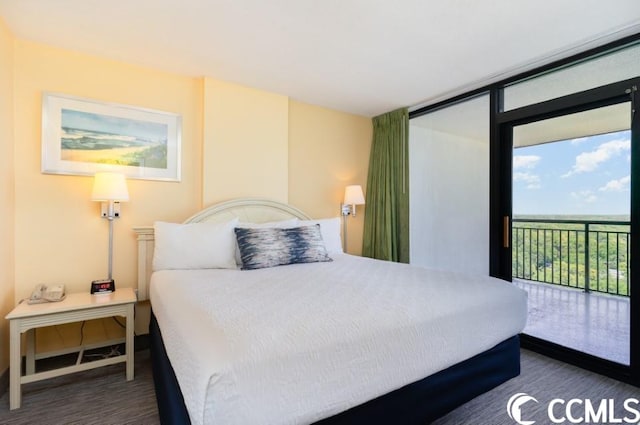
84 136
103 139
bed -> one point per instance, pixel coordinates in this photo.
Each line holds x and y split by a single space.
339 341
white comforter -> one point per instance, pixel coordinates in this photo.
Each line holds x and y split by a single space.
298 343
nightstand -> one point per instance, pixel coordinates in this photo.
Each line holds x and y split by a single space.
74 308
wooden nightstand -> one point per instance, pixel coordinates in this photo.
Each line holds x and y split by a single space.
74 308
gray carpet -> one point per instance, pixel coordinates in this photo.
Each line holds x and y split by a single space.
103 396
544 379
94 397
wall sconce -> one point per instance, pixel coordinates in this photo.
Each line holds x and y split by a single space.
110 189
352 196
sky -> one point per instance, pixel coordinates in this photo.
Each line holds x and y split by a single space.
589 175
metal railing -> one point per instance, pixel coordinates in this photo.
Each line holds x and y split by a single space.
589 255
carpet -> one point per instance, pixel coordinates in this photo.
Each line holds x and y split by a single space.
103 396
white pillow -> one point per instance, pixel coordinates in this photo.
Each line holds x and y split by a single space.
194 245
283 224
330 230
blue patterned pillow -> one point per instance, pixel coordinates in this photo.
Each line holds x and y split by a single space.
270 247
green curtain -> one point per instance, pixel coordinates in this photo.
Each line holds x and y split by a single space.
386 220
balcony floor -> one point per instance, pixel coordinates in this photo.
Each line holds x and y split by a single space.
594 323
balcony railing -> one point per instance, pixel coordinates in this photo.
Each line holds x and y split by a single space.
589 255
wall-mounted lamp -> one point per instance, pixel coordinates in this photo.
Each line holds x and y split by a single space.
110 189
352 196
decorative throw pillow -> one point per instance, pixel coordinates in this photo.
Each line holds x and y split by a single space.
194 246
292 222
330 228
270 247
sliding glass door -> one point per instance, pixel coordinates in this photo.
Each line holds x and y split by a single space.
565 206
586 106
570 229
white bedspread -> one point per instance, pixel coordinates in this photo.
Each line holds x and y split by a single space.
299 343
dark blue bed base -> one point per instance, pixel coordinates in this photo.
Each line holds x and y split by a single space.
418 403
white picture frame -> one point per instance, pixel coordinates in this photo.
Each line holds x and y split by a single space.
83 136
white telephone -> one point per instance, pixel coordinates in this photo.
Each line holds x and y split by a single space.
43 293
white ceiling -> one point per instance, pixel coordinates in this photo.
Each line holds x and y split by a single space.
360 56
582 124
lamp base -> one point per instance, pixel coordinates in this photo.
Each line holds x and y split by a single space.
103 286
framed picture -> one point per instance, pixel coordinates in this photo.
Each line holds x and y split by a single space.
83 136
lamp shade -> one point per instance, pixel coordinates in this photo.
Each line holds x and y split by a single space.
353 195
109 187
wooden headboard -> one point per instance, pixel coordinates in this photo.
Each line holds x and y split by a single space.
247 210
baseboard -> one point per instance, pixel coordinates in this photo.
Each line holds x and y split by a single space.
141 342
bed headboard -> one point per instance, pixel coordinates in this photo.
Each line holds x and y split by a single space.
248 210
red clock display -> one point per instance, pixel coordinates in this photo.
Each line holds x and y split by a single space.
103 286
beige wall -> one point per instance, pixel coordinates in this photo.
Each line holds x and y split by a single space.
245 143
6 190
262 144
60 236
236 141
328 150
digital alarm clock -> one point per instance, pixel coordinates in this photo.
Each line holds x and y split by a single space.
103 286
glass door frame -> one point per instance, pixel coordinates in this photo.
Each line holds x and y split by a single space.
501 168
